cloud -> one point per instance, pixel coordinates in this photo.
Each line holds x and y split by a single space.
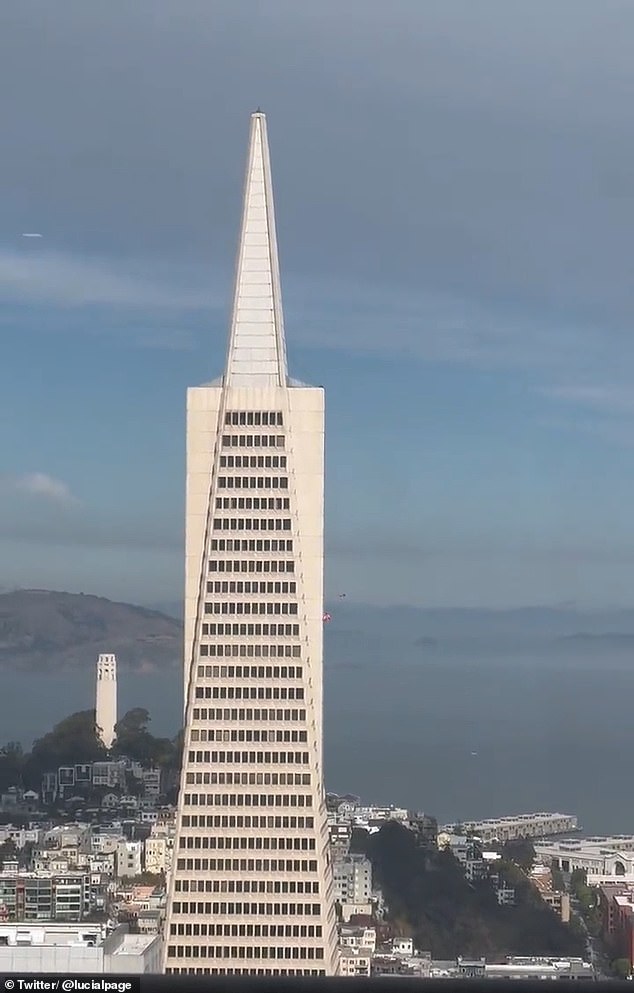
610 399
88 530
66 280
41 486
466 171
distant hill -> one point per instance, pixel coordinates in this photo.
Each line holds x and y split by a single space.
46 630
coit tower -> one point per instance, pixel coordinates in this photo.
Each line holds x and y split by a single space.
106 698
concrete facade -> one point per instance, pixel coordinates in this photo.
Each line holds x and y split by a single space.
603 858
251 829
353 879
106 698
55 949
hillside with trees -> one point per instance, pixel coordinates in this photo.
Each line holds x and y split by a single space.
430 899
74 741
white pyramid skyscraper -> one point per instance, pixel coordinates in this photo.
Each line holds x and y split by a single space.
251 889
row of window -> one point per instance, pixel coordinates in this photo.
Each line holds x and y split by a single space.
247 651
251 544
252 630
246 714
205 842
257 417
253 441
204 930
252 524
245 865
251 671
249 693
245 821
250 843
251 565
209 842
253 503
251 586
268 758
241 799
243 909
238 799
253 483
255 735
253 462
243 972
191 970
260 779
251 609
248 952
250 886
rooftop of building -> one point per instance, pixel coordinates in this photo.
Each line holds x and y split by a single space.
134 944
598 844
51 934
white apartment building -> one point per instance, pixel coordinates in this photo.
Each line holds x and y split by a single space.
354 961
352 879
151 786
159 850
129 859
355 936
251 831
20 836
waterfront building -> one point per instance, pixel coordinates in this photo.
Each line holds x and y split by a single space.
538 825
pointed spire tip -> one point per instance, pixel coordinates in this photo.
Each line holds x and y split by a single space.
257 348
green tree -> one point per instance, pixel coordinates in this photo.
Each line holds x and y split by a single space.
8 851
429 897
521 851
73 740
135 741
558 879
621 968
12 761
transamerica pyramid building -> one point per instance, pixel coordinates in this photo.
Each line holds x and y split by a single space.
251 890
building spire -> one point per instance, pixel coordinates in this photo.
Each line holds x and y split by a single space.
257 349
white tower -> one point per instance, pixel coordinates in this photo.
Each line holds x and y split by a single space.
106 699
251 889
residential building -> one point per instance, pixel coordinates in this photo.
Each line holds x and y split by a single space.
425 828
357 936
251 813
387 964
151 786
352 879
129 859
542 879
355 961
340 835
347 911
159 850
616 904
33 896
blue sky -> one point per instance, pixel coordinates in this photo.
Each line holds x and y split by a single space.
456 223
